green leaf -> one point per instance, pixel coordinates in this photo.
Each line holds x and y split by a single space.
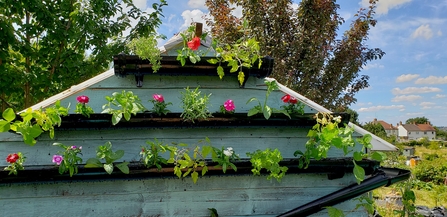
212 61
93 163
116 118
204 170
123 167
334 212
4 126
9 114
267 112
359 173
251 100
206 150
195 176
378 156
220 72
108 168
252 111
192 59
358 156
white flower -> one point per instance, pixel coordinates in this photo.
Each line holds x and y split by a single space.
337 119
228 152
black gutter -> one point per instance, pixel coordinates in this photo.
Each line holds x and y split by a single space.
383 177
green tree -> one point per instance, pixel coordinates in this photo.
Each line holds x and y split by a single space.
354 116
417 120
375 128
309 55
44 43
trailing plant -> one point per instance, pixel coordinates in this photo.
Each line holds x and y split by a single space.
68 159
268 160
187 163
122 104
224 158
15 163
264 108
327 134
195 105
104 152
159 104
244 53
34 122
146 48
151 153
82 107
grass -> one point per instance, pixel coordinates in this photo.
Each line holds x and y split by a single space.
423 197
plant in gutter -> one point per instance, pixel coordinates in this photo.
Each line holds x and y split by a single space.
146 48
15 163
191 44
34 122
122 104
327 134
269 160
224 158
151 153
160 105
82 107
195 105
186 163
264 108
293 106
104 152
228 107
68 159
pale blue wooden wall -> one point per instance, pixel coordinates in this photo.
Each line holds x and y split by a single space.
230 195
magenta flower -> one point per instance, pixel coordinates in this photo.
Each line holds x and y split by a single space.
82 99
229 105
57 159
73 147
158 97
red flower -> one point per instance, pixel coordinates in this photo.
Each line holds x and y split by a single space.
285 98
293 100
194 44
82 99
159 98
12 158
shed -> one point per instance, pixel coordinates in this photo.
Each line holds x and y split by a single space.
40 190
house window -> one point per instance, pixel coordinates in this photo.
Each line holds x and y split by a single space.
409 132
417 132
425 132
432 132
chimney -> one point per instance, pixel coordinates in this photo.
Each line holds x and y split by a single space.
428 122
199 27
400 122
375 120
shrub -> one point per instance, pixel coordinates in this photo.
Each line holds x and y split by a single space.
431 171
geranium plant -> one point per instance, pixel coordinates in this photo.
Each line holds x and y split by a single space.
228 107
122 104
104 152
68 158
160 105
195 105
191 44
15 163
293 106
82 107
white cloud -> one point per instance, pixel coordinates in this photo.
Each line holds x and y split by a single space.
406 77
418 90
423 31
406 98
197 4
432 80
237 12
382 107
384 6
372 66
427 103
439 96
193 16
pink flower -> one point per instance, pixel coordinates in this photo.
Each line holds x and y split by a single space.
57 159
229 105
73 147
12 158
194 44
159 98
82 99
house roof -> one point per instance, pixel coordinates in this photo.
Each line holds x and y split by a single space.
411 127
426 127
386 125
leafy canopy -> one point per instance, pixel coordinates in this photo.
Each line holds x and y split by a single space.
324 68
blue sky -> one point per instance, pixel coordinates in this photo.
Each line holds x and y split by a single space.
409 81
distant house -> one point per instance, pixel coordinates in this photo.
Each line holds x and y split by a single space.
408 132
389 128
